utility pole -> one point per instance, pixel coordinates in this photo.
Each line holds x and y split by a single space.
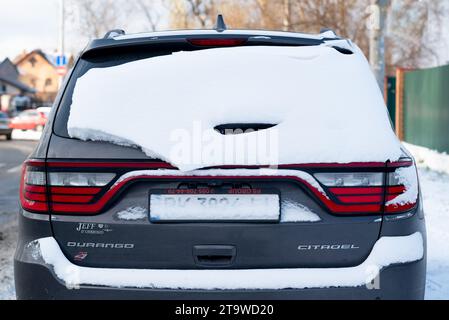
286 23
61 27
378 25
61 68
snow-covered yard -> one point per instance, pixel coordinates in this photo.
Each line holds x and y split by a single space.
26 135
434 177
8 238
435 188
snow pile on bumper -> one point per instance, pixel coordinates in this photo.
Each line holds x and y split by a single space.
386 252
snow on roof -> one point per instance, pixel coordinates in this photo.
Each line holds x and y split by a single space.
325 105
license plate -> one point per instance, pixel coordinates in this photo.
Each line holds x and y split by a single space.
174 205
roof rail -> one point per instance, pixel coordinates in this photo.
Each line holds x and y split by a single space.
220 25
113 33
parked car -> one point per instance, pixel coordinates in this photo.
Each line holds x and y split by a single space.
44 110
5 128
29 120
102 219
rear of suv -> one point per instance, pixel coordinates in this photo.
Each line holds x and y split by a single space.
101 220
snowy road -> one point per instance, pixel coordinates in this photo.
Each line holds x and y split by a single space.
435 189
12 154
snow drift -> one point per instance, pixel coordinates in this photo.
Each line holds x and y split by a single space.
325 107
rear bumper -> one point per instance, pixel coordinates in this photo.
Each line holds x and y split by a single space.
404 282
401 277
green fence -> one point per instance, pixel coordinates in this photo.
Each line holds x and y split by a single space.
391 98
426 108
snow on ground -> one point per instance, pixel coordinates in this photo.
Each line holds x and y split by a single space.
26 135
431 159
435 189
434 179
8 238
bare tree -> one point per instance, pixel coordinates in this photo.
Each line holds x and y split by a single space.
94 18
147 7
414 27
192 13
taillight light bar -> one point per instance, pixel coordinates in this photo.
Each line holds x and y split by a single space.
402 191
33 191
44 190
367 192
87 187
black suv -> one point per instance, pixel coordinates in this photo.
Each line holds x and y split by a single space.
89 228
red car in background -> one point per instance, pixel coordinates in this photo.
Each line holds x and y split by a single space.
30 120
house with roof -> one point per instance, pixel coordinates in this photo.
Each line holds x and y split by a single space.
11 87
38 71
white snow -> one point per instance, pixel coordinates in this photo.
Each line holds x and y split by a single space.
435 190
133 214
387 251
26 135
431 159
326 106
434 185
214 207
295 212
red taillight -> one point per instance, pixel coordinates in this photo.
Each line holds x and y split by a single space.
353 192
33 192
370 192
218 42
402 192
88 187
56 191
77 192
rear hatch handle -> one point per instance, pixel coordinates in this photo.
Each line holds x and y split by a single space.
214 255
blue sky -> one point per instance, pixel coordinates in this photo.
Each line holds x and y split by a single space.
30 24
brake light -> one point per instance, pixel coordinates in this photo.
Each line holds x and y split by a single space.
371 192
33 192
60 192
76 192
353 192
402 191
218 42
88 187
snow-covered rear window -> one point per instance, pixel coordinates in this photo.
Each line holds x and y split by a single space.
325 107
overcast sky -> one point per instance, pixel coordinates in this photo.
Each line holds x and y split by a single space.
31 24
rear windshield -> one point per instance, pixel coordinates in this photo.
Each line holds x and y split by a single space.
317 104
